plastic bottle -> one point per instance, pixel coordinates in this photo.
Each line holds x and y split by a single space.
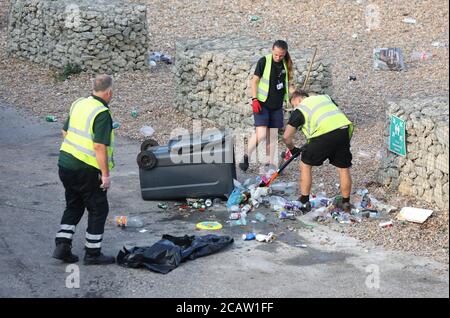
284 187
260 217
241 221
421 56
277 201
234 209
125 221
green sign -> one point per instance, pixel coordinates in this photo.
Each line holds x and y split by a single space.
397 136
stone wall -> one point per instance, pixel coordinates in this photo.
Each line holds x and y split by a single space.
212 77
424 171
100 36
4 7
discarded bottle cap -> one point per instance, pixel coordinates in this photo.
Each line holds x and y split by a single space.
134 113
115 125
50 118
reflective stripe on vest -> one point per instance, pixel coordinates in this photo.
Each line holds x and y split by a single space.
79 139
264 81
322 116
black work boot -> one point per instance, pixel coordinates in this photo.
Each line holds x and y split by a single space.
244 164
98 259
63 251
306 207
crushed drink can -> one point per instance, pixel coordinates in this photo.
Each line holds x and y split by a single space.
235 216
246 208
248 236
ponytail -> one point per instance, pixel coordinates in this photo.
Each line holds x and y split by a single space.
290 66
287 58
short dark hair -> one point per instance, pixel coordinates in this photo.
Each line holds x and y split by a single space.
298 93
102 83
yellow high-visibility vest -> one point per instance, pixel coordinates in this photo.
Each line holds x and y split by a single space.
79 139
264 81
322 116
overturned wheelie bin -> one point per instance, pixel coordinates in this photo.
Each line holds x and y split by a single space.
194 165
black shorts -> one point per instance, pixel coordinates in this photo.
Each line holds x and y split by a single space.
334 146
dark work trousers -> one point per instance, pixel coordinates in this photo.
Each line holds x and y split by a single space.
83 191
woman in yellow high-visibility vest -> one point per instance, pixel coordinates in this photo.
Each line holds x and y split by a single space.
270 89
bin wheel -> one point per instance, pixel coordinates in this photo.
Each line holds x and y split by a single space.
149 143
146 160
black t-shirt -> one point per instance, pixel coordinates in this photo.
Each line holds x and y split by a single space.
277 76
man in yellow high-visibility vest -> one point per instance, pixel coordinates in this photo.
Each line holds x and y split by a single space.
328 132
85 161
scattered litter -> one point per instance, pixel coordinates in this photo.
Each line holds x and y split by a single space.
235 216
124 221
163 206
143 231
352 78
409 20
207 225
363 154
134 113
115 125
438 44
159 57
217 202
208 203
388 59
420 56
260 217
248 236
415 215
147 131
253 18
50 118
286 215
241 222
355 36
269 238
386 224
284 187
301 245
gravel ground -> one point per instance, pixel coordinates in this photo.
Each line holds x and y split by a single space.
343 35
